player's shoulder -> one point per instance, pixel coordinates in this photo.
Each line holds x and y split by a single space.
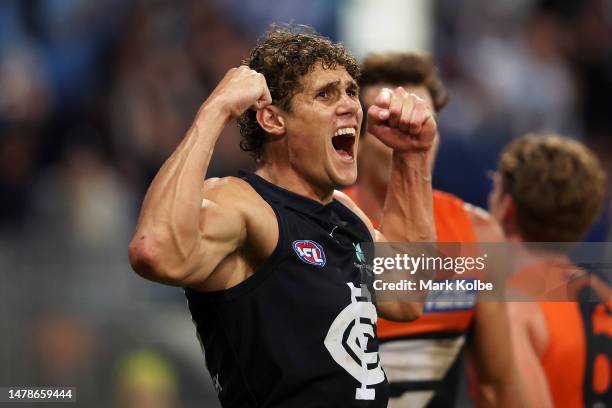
232 192
348 202
478 213
228 186
486 227
344 198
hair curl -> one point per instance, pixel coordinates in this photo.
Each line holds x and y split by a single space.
284 55
401 68
557 185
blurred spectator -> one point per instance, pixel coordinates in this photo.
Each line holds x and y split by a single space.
146 379
64 348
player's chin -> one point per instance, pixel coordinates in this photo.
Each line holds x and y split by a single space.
344 174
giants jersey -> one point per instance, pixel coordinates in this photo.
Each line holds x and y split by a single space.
422 359
578 358
301 331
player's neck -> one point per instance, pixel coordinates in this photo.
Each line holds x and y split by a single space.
533 254
286 177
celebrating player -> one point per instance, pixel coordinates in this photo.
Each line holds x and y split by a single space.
269 260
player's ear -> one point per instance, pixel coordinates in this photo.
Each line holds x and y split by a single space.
507 209
271 120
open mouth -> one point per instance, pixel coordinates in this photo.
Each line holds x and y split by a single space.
343 142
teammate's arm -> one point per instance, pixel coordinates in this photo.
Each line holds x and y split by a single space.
180 238
403 122
529 339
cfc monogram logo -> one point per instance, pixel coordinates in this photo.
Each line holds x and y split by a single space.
347 342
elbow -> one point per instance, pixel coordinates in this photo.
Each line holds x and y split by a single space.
413 312
144 257
401 311
147 260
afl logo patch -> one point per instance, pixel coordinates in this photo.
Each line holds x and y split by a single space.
309 252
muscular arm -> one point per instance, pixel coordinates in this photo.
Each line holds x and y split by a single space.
180 239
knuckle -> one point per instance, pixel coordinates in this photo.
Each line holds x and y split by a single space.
416 98
404 120
395 111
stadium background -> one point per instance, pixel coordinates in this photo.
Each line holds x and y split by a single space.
95 94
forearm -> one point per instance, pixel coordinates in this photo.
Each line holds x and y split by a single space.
408 217
408 210
171 208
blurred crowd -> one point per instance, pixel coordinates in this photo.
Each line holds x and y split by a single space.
97 93
519 66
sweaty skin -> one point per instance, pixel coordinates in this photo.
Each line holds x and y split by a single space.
236 230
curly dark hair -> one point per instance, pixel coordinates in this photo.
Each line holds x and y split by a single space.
557 185
401 68
284 55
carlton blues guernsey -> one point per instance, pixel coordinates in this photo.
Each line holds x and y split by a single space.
301 331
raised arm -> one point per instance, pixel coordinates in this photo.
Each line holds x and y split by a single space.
180 237
404 122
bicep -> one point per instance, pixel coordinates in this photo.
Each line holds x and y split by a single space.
222 230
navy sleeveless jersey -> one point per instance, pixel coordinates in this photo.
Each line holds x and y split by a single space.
301 331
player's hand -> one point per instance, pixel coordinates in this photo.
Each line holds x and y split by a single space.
240 89
402 121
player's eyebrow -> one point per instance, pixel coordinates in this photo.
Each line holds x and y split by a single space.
352 85
328 86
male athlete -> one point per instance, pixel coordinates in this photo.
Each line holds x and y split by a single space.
551 189
423 359
271 261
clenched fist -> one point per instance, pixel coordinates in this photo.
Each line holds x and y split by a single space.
240 89
402 121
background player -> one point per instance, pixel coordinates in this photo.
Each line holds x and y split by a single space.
551 189
268 259
423 359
